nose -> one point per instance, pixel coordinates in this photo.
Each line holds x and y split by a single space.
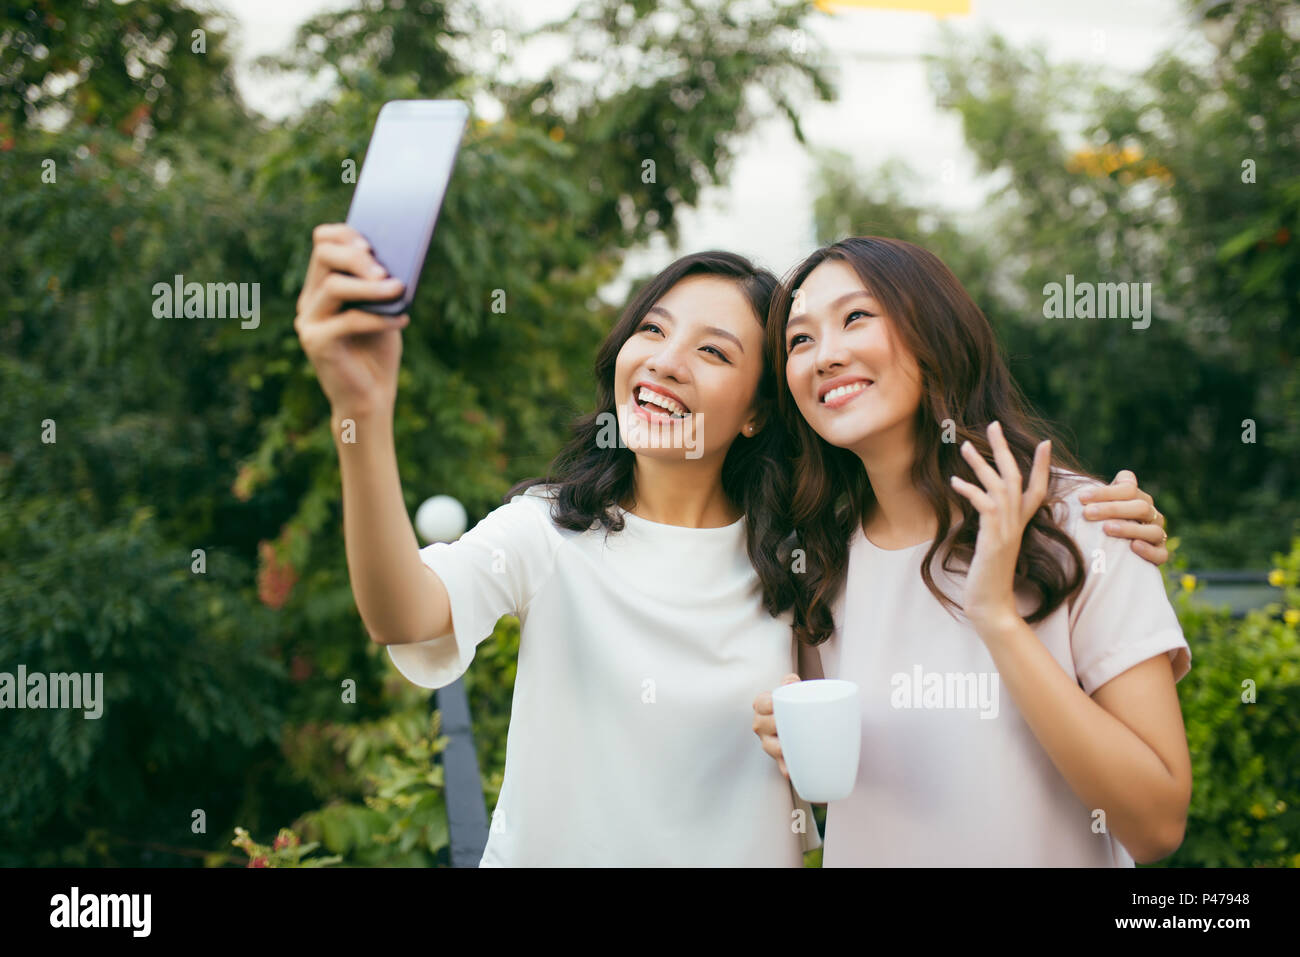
669 360
831 352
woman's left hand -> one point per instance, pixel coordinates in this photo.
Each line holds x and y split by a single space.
1005 507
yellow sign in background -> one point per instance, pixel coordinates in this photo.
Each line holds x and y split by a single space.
941 8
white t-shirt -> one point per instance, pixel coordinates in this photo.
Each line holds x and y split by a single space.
939 784
631 730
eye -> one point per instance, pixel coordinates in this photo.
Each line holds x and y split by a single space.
717 352
795 341
857 312
649 325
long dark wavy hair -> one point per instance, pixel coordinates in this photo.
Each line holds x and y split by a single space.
592 481
965 382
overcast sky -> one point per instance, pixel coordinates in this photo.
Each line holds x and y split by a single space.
885 108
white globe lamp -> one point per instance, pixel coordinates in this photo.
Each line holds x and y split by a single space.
440 519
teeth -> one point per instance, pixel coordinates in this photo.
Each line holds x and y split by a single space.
651 397
845 390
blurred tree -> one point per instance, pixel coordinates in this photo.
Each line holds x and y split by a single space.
1185 179
129 159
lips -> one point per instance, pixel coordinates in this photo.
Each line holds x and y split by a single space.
654 402
837 392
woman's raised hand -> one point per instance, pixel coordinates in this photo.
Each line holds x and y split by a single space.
355 353
1005 507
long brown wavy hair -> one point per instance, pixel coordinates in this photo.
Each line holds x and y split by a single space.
965 383
591 480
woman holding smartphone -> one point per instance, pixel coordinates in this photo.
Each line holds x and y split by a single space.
933 559
648 609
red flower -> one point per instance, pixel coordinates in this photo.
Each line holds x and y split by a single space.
275 580
258 862
300 668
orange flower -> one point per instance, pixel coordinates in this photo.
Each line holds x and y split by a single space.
275 579
244 483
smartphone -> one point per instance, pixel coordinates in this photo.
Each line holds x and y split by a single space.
399 192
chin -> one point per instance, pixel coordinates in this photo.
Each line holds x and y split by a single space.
850 435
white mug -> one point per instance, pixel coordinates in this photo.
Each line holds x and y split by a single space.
820 729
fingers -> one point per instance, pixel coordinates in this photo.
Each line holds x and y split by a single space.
1117 491
1139 531
335 233
763 701
765 728
1132 509
765 725
1006 462
1038 476
983 471
974 494
350 323
338 288
1155 554
348 258
772 748
328 235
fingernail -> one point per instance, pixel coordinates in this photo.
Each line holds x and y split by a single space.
377 270
1090 511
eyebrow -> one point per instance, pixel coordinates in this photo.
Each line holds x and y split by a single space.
803 317
710 329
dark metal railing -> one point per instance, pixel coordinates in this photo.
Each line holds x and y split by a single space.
467 826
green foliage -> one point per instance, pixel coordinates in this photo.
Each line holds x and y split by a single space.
384 792
120 600
127 159
286 851
1241 708
1153 188
489 688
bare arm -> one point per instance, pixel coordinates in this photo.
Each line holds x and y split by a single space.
400 598
356 355
1122 751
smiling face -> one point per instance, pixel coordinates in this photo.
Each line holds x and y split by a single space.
851 378
687 377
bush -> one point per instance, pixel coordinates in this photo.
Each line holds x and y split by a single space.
1241 706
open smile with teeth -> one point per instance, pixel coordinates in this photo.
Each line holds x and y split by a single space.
845 390
656 401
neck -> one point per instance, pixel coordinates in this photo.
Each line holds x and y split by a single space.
686 493
901 515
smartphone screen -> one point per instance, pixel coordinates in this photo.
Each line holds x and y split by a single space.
399 192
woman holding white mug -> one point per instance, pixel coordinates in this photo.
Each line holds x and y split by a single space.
1016 666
